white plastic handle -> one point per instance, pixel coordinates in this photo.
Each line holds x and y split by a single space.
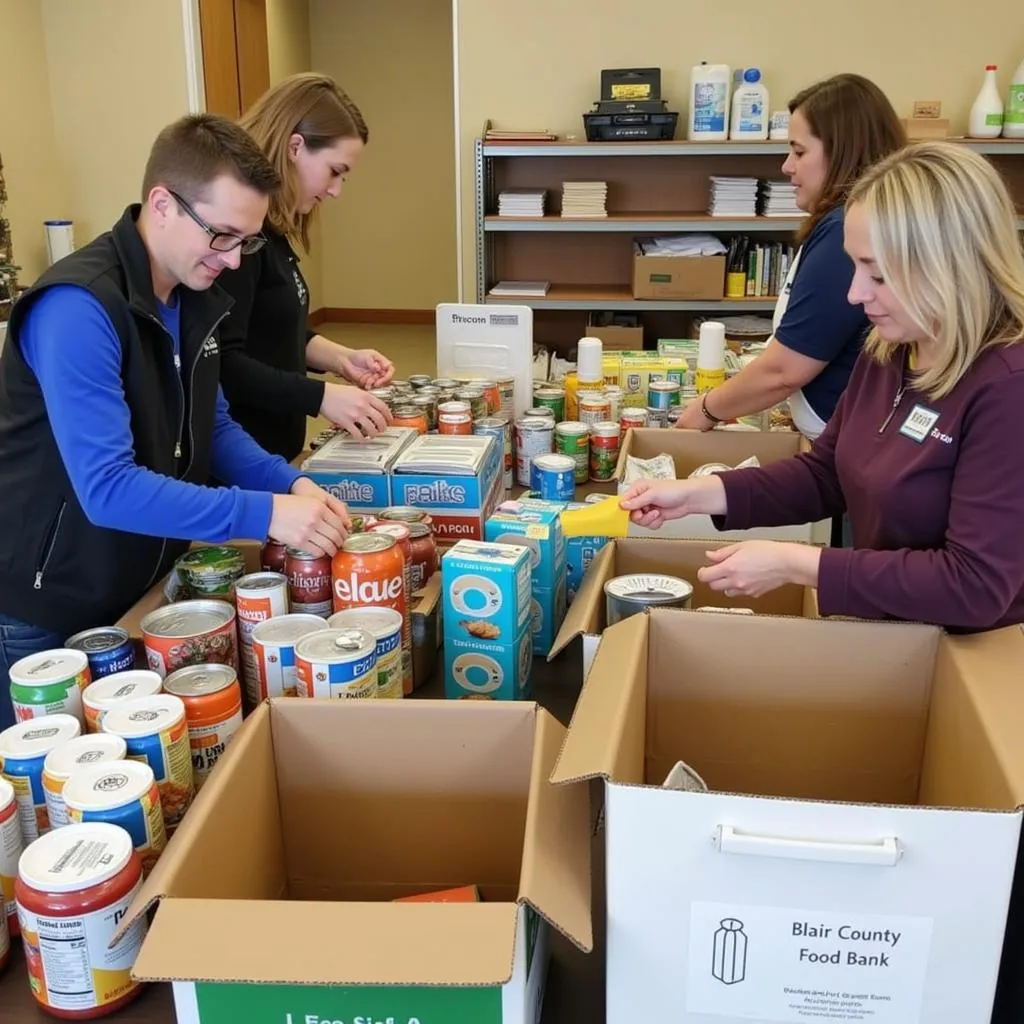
885 853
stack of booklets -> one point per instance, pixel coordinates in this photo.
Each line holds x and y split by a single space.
521 202
519 135
778 199
520 289
584 198
733 197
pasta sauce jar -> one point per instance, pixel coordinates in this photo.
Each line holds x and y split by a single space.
73 891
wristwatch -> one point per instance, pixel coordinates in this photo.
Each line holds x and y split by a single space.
708 415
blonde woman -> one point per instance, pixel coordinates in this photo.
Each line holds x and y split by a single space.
924 449
313 135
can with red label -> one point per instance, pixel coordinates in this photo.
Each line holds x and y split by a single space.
258 597
454 418
190 633
309 582
273 555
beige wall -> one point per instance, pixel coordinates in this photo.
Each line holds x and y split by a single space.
117 76
537 64
35 182
389 240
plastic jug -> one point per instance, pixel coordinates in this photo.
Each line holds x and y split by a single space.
749 107
1013 122
986 121
709 103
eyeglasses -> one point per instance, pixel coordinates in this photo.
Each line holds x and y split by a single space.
222 241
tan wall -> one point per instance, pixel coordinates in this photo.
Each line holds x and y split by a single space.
537 64
28 147
117 76
389 240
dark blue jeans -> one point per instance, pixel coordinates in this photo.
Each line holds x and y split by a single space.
18 640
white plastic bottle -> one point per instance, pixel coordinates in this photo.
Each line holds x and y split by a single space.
1013 122
709 103
749 107
986 120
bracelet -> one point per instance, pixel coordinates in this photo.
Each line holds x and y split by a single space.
708 415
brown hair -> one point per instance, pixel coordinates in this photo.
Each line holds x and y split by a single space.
190 153
313 106
857 126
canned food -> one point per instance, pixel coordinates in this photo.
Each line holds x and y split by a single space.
445 384
11 845
419 380
258 597
337 663
662 394
386 395
309 582
273 650
454 418
657 419
410 416
615 396
156 731
272 556
492 394
672 417
123 794
476 400
69 759
360 524
500 429
213 711
604 451
73 891
49 683
108 648
190 633
424 555
405 514
630 595
631 418
99 697
573 439
507 391
594 407
23 750
370 570
427 405
542 412
385 626
211 571
554 477
402 532
551 398
398 386
534 436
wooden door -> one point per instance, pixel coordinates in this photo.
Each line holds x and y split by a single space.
236 65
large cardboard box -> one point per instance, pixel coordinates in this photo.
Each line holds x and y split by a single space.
691 449
274 902
854 855
587 617
677 277
616 337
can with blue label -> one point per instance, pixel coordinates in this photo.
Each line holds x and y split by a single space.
122 793
662 395
108 648
337 663
554 477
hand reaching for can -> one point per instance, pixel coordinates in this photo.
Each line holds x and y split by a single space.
309 518
357 411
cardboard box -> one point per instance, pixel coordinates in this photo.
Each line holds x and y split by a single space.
677 277
274 902
616 337
587 617
854 855
691 449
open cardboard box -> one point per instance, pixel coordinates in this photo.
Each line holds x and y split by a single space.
854 855
274 900
586 616
426 613
691 449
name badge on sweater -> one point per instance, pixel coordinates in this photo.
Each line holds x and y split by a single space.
918 424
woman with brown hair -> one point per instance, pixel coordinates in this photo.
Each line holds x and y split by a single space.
313 134
838 128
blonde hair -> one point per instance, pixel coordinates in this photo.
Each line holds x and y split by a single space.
944 233
313 106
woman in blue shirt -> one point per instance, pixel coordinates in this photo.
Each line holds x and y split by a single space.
837 129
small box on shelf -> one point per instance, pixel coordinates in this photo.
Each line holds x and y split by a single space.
678 277
618 333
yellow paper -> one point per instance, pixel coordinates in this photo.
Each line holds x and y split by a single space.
601 519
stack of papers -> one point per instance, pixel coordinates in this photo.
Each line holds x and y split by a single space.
519 135
682 245
778 199
733 197
584 198
521 289
521 202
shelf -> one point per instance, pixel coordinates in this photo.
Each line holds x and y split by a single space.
644 222
991 147
620 297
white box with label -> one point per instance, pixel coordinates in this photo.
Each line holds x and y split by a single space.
853 856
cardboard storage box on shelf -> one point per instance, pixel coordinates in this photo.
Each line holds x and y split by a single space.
426 614
853 857
691 449
275 900
587 617
677 277
616 337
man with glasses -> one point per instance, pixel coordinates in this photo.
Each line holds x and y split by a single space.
111 413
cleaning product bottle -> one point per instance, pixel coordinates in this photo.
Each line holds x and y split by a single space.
749 107
1013 123
709 103
986 120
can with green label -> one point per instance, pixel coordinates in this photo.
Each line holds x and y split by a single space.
49 683
211 571
553 399
573 439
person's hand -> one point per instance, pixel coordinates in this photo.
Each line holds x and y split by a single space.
357 411
309 518
305 487
366 367
652 503
692 417
752 568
